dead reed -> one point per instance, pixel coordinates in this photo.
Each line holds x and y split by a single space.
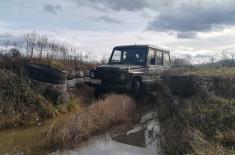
112 110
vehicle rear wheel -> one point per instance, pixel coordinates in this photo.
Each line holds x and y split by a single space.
137 88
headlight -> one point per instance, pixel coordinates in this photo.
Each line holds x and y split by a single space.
123 76
92 74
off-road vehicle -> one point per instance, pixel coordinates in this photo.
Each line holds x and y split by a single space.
131 68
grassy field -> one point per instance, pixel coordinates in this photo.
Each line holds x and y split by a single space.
226 72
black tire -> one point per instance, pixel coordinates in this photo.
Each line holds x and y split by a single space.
98 92
137 88
45 73
48 87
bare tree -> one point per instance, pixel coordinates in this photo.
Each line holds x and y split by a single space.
42 44
6 43
224 54
31 39
55 49
212 58
63 51
180 62
103 60
189 58
27 41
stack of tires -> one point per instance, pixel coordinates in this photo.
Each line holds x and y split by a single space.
75 78
49 81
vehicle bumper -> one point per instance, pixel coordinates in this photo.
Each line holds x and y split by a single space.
98 83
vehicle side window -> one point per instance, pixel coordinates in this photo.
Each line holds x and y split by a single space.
116 56
151 57
166 59
159 58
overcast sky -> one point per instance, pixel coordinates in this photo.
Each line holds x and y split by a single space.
196 27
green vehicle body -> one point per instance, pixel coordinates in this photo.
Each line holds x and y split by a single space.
139 68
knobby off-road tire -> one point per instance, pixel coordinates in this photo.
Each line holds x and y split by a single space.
98 92
137 88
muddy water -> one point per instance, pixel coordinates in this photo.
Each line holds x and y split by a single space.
140 138
28 140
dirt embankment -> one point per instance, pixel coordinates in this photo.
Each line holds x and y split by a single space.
22 101
20 105
202 115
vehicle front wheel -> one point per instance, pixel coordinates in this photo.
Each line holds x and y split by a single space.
137 88
98 92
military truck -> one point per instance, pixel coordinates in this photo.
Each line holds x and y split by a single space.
131 68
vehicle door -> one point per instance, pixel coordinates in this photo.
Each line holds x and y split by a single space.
151 72
166 61
159 62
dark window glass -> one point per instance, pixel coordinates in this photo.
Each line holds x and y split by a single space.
166 59
159 58
151 57
134 56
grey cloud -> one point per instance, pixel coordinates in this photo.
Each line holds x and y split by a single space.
189 19
127 5
182 16
52 8
203 56
186 35
5 35
10 37
130 5
194 19
106 19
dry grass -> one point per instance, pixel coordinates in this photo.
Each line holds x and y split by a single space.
114 109
225 72
20 105
201 146
222 72
202 125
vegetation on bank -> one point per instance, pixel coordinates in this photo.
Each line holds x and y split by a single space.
112 110
204 123
224 72
22 104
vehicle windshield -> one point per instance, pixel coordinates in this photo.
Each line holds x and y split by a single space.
128 55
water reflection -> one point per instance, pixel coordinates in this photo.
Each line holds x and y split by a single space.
140 139
143 134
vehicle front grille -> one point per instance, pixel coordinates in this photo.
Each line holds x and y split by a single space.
108 77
